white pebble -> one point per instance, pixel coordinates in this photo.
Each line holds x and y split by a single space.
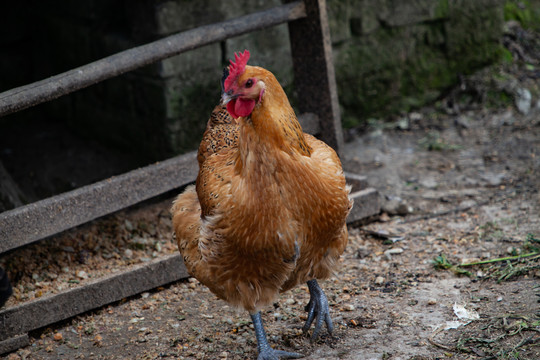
393 251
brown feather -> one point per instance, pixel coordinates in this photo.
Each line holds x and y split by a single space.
263 188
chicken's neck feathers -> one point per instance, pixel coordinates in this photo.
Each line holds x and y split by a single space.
271 130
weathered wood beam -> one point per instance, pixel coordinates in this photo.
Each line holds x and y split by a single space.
314 76
44 311
50 216
51 88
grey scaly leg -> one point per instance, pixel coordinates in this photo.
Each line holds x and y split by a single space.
265 351
317 308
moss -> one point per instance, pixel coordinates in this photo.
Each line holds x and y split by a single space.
526 12
505 55
498 99
403 72
398 68
442 9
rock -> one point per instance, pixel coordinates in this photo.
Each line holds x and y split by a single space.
58 336
128 253
415 116
523 100
139 242
348 307
393 251
128 225
397 206
403 123
429 183
463 121
81 274
506 118
432 301
492 178
466 204
379 280
363 252
290 301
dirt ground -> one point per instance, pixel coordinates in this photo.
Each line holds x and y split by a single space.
460 182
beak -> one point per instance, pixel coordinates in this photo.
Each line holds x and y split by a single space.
228 96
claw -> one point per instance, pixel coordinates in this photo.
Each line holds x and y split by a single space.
317 309
265 351
272 354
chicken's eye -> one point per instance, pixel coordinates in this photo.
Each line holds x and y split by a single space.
249 83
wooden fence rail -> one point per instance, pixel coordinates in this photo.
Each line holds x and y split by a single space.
51 88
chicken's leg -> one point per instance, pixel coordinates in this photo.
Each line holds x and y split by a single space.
265 351
317 308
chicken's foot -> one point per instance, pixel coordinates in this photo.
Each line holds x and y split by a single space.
265 351
317 308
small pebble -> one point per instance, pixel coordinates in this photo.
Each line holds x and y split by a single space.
128 225
227 320
290 301
81 274
379 280
432 301
394 251
348 307
128 253
512 250
500 298
58 336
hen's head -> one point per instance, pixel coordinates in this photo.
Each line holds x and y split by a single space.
242 88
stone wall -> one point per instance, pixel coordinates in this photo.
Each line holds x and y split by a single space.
393 55
390 55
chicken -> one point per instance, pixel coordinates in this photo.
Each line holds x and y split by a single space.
269 206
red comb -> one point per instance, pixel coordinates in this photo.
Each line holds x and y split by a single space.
237 67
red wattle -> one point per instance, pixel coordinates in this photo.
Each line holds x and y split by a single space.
240 107
230 108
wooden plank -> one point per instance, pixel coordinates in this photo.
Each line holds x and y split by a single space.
38 220
50 309
29 95
314 76
14 343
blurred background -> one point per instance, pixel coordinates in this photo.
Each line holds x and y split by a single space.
391 57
